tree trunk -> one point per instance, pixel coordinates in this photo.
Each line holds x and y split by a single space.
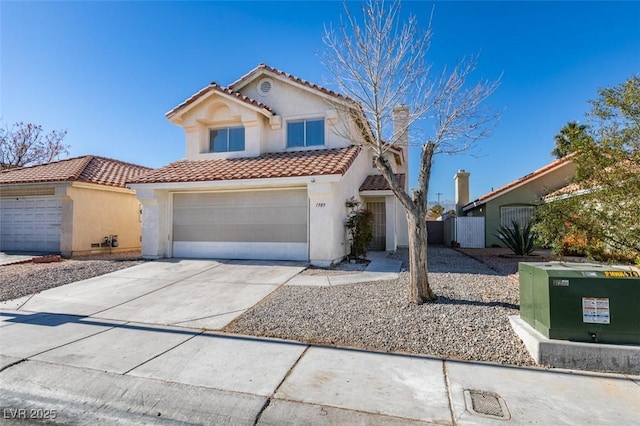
419 289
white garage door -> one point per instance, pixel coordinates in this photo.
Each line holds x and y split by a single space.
30 224
241 225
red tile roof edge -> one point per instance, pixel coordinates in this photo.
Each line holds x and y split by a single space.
225 90
263 66
526 178
379 183
341 167
76 175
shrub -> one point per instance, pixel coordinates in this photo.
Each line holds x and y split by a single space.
360 227
519 240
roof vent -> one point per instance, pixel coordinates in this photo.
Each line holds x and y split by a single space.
264 87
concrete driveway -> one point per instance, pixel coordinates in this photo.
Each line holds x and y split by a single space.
190 293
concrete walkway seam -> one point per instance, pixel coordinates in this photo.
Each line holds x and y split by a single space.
20 361
26 301
74 341
163 352
286 375
212 316
447 384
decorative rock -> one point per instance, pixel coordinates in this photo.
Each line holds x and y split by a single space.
468 321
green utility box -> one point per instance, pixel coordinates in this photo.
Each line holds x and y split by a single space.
581 301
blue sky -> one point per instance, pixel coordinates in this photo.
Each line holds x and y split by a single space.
108 71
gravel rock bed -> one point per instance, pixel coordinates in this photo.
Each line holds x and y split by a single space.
468 321
28 278
502 259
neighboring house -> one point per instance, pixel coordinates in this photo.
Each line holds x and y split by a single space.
70 206
514 201
266 176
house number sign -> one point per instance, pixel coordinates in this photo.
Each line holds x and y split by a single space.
321 204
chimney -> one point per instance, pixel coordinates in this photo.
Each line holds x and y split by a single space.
400 123
461 180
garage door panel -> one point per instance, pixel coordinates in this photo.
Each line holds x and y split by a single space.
241 225
248 233
30 224
263 251
240 216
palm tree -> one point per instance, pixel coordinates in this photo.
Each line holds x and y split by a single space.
567 140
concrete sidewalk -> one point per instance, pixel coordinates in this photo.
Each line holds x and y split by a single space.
96 371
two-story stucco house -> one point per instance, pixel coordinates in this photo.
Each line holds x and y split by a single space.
266 176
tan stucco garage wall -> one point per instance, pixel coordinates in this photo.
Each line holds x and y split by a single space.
99 211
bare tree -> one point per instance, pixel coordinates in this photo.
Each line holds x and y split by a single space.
380 63
25 144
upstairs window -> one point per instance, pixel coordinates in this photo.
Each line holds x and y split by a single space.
227 139
303 133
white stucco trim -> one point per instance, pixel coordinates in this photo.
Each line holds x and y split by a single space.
377 193
274 183
99 187
176 117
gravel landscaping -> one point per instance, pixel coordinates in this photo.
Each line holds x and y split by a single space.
504 261
468 321
23 279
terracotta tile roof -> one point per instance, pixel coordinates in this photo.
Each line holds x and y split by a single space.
224 90
293 78
531 176
266 166
88 168
570 189
379 183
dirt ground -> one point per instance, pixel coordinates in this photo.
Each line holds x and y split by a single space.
503 260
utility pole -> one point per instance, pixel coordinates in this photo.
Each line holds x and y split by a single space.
439 194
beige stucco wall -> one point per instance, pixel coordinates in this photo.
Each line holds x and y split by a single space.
527 194
96 211
262 133
294 103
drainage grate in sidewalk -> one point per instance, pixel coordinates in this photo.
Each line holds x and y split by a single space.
486 404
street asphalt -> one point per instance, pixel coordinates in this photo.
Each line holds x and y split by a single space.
143 346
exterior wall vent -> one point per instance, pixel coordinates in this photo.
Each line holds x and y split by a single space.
264 87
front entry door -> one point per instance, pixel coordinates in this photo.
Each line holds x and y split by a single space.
379 241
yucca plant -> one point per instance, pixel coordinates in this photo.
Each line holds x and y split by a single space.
519 240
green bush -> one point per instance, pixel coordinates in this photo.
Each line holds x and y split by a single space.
360 227
519 240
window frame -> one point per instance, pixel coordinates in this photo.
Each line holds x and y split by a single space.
305 121
227 129
529 207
